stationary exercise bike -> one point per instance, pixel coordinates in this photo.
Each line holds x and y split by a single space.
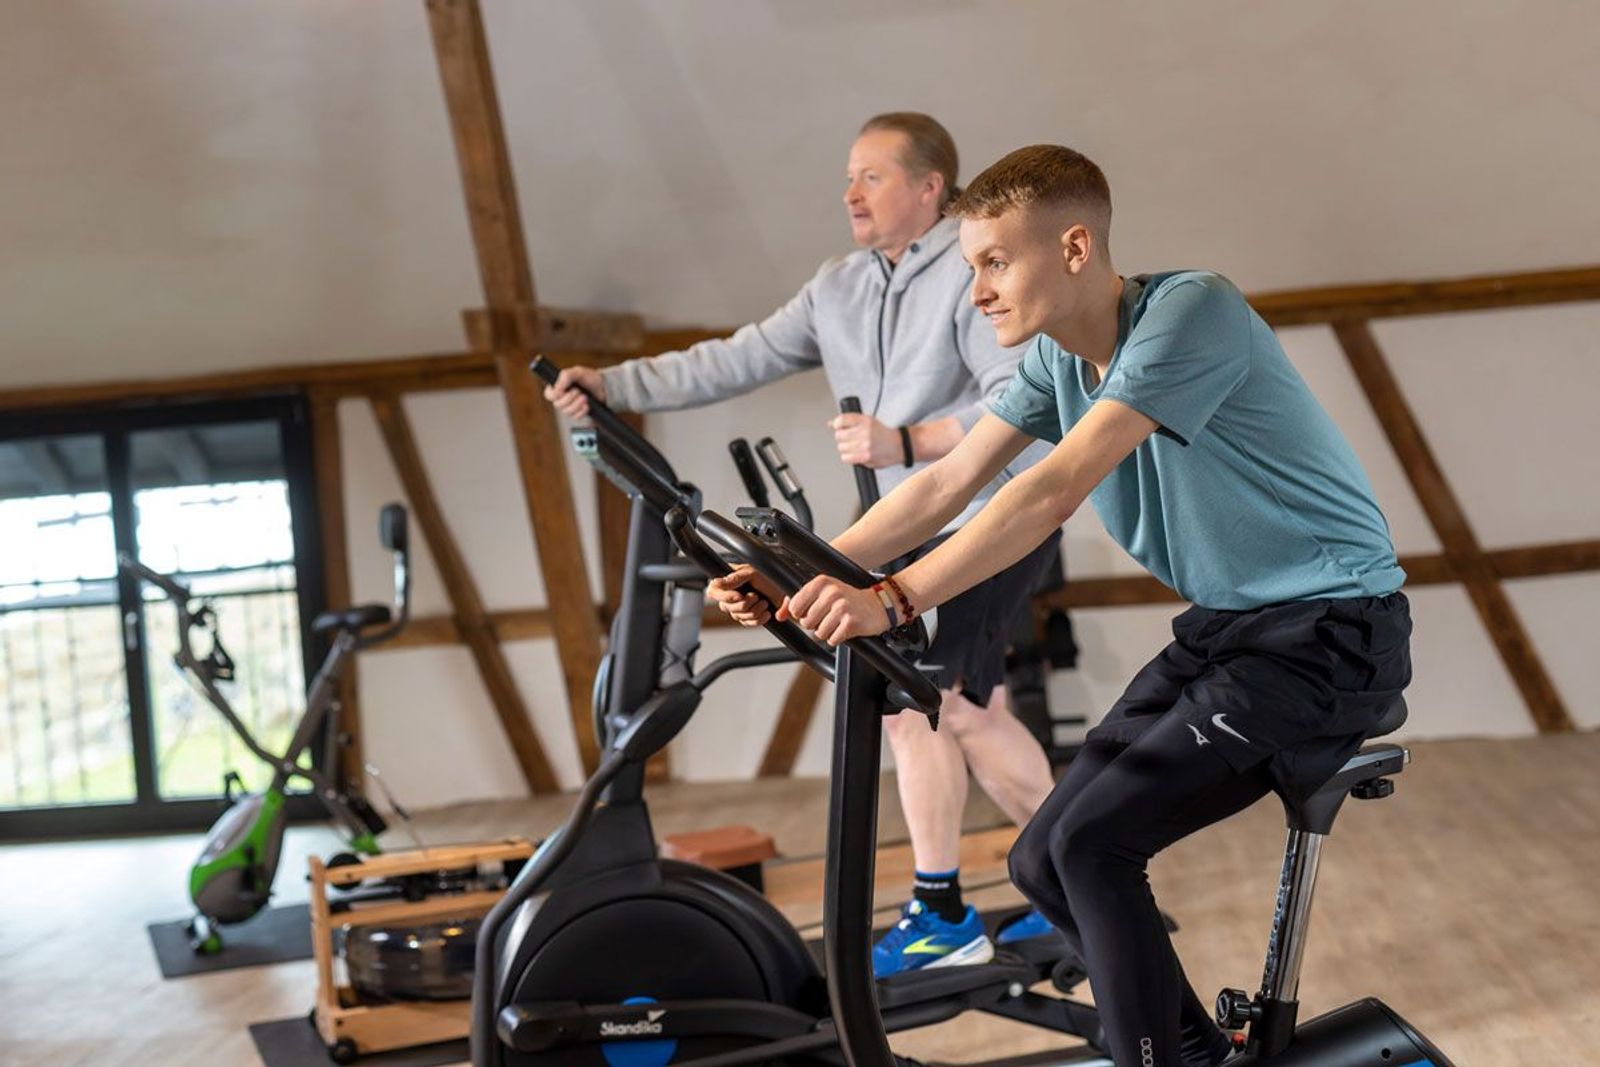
601 952
1366 1033
231 880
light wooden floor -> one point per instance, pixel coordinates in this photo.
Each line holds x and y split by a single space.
1470 901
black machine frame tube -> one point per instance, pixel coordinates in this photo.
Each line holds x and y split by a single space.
851 856
189 663
636 632
744 461
321 697
486 979
734 661
783 477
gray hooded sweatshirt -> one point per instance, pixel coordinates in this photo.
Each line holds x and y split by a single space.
904 338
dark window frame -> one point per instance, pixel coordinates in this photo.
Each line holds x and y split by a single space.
115 424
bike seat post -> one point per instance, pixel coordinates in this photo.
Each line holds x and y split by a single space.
1273 1026
1271 1014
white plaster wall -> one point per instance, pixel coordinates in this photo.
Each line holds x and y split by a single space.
1559 615
196 186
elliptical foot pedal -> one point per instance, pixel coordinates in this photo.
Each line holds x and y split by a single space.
1067 975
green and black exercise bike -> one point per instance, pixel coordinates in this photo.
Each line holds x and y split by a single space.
231 881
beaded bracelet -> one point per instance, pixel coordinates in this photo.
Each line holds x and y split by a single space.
907 612
888 603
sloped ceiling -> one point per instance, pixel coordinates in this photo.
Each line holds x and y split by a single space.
192 185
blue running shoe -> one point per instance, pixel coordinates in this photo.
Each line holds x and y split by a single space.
922 939
1021 929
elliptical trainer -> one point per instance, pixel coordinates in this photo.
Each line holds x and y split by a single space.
602 952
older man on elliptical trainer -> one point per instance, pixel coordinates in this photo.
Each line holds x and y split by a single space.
891 323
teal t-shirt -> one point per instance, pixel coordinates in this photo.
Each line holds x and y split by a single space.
1248 494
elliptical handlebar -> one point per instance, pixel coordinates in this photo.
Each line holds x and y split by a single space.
602 415
784 478
866 479
744 461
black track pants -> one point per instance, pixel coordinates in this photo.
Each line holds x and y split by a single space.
1082 859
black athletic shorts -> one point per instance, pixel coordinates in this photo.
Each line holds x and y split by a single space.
1298 685
975 627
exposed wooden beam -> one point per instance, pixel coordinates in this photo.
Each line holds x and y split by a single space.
1298 307
1530 561
327 460
470 96
328 473
541 459
1449 521
261 380
1543 561
560 330
471 620
401 374
524 625
517 624
462 50
1286 307
789 732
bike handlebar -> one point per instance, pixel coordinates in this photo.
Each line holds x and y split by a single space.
789 572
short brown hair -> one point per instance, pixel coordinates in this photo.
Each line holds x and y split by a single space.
1047 174
929 146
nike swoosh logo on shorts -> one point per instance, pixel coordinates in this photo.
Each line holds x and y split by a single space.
1216 720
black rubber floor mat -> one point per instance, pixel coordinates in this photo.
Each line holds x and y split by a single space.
277 935
296 1043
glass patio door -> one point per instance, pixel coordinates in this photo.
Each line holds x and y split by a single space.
99 731
66 737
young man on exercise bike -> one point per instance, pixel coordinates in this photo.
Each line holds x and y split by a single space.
1175 412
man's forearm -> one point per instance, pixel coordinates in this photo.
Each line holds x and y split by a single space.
935 438
914 512
1027 508
924 503
1013 523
